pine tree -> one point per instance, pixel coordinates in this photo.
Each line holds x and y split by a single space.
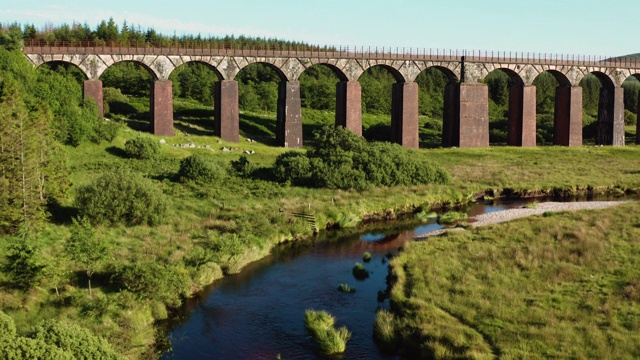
24 158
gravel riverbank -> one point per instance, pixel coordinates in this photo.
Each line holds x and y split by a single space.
540 208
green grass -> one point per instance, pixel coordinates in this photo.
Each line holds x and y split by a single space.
216 230
558 287
328 339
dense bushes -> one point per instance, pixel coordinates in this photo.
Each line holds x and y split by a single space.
167 284
121 196
142 148
51 341
344 160
201 169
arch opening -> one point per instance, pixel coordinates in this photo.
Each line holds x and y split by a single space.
320 85
436 124
260 98
604 110
127 94
381 106
65 68
511 109
631 88
194 90
558 110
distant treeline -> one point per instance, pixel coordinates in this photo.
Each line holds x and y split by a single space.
109 32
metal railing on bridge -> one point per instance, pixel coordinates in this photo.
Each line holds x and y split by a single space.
221 48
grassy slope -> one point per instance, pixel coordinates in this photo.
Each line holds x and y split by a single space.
563 286
263 210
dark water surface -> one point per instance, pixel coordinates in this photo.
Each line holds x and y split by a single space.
259 313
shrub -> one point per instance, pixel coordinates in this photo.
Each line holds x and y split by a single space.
344 160
114 100
122 196
629 118
320 324
168 284
142 148
366 257
359 271
292 166
242 166
32 349
74 340
7 326
23 264
201 169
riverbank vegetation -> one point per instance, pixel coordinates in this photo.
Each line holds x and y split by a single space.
561 286
321 327
108 228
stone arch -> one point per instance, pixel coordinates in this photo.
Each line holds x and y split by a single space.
448 93
146 66
74 60
404 107
53 62
336 70
208 93
211 66
567 110
562 79
636 75
521 116
397 75
610 123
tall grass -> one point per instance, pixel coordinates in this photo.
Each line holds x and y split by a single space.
329 340
561 287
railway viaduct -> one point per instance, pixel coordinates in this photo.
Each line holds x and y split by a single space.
466 101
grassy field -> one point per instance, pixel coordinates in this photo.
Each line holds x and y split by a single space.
560 286
244 218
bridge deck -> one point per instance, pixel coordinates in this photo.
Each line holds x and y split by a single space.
359 53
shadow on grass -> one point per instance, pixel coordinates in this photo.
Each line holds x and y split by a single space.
193 114
116 151
138 125
61 214
188 129
258 128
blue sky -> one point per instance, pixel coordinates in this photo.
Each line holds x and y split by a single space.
590 27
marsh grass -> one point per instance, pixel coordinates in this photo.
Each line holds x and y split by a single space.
321 327
346 288
384 331
451 218
359 271
561 287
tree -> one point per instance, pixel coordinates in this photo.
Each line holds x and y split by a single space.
24 136
85 248
23 262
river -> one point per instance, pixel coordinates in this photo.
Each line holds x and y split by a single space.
259 313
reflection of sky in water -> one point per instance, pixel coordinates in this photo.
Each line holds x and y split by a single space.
426 228
372 237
